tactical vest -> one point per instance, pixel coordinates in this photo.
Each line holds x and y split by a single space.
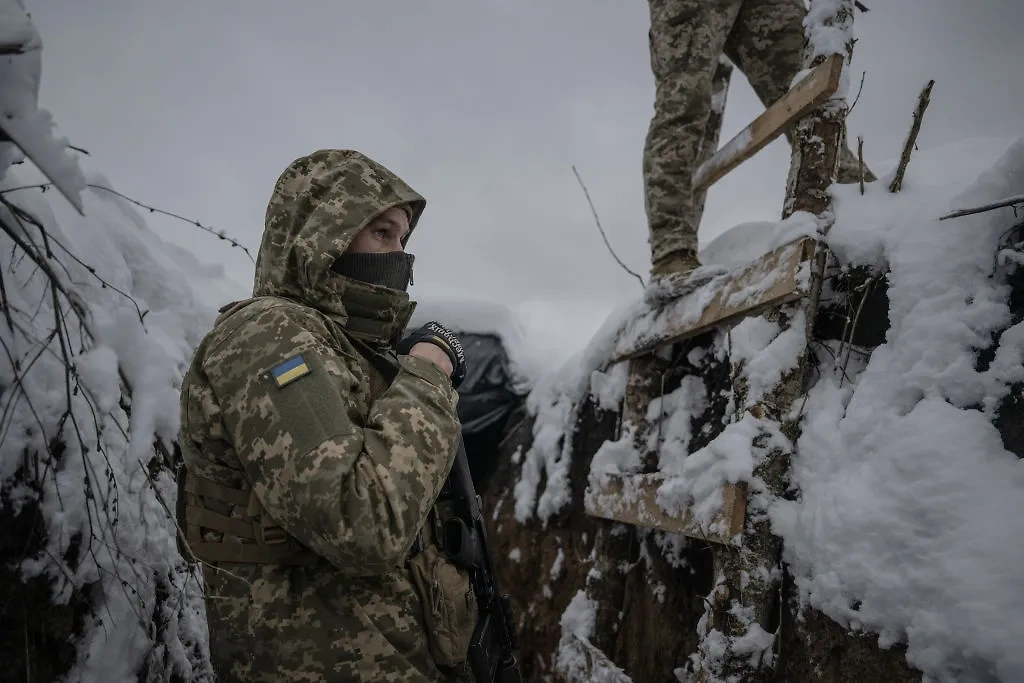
259 539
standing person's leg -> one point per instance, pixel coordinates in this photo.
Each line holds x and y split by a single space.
766 43
686 39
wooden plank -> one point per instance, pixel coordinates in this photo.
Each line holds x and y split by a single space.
579 661
776 278
632 499
806 96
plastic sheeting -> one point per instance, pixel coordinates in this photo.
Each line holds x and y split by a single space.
486 396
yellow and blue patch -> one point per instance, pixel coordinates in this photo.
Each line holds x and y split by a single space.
290 370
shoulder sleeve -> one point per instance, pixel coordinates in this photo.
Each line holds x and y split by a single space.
354 488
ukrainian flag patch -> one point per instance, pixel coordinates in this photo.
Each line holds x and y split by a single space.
290 370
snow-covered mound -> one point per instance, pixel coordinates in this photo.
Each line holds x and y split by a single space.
96 382
909 520
99 320
906 522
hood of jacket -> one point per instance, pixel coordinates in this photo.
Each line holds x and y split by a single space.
319 204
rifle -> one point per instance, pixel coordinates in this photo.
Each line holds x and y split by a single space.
464 540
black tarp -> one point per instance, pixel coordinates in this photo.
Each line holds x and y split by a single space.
485 395
487 399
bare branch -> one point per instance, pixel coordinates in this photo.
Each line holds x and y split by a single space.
1009 201
21 214
601 229
860 89
860 161
922 103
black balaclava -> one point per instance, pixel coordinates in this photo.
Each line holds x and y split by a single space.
390 269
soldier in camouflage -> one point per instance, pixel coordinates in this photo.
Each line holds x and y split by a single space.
765 39
310 479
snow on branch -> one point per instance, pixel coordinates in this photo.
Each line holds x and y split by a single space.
25 129
97 325
86 454
828 27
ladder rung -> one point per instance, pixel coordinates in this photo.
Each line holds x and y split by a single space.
632 499
774 279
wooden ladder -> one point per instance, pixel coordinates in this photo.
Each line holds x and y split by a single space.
779 285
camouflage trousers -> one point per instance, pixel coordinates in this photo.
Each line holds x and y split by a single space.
764 38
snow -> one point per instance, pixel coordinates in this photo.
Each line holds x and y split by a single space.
826 36
16 29
673 414
102 489
745 242
609 387
556 567
766 352
695 484
908 514
829 26
576 658
30 127
554 402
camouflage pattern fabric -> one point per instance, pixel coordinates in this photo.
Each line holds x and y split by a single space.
764 38
278 399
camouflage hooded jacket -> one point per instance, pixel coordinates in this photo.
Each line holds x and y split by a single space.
278 401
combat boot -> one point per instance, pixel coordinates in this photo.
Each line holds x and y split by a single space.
676 275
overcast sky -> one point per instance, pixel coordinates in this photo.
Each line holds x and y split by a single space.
481 105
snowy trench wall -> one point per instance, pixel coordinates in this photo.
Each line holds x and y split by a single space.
900 515
98 318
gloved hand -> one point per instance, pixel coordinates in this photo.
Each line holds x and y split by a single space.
440 336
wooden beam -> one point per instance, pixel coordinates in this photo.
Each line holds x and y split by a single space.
806 96
632 499
776 278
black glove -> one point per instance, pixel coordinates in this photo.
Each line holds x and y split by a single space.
440 336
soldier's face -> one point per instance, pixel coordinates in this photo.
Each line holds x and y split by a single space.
383 234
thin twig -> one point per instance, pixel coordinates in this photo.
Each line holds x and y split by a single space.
1009 201
922 103
860 89
601 229
21 214
219 234
860 5
860 161
853 328
76 304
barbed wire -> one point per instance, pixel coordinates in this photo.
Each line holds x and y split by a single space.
219 234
